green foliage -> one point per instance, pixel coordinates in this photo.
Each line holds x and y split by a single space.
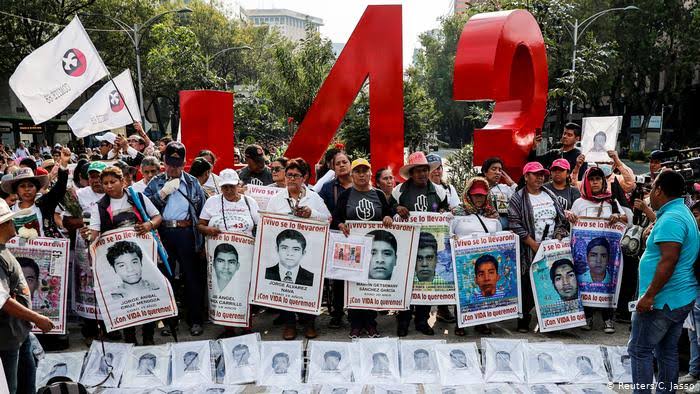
254 118
354 131
460 167
420 117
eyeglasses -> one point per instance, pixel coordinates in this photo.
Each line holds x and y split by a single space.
276 169
293 176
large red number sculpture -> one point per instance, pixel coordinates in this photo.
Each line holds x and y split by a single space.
374 51
501 57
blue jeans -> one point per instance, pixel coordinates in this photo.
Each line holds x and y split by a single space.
655 334
694 364
20 368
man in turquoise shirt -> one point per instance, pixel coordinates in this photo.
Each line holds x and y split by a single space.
667 287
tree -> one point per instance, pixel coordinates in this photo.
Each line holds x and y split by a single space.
420 117
255 121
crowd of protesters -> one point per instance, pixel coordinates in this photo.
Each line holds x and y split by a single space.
551 192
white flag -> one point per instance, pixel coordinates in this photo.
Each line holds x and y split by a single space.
55 74
107 109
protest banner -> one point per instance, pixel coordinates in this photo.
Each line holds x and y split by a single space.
598 136
59 364
229 263
83 294
595 245
348 257
289 263
555 287
433 280
390 269
44 263
487 272
261 194
105 363
130 289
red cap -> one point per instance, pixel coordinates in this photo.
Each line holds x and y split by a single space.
561 163
41 171
479 188
534 166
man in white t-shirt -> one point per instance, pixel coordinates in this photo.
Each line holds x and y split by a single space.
150 167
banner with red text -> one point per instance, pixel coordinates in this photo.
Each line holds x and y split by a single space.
130 289
595 245
391 267
487 278
261 194
229 263
44 263
289 263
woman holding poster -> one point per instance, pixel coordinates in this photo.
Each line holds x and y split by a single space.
361 202
475 215
229 210
298 200
117 210
597 202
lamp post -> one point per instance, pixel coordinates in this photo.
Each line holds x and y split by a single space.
209 59
136 34
578 29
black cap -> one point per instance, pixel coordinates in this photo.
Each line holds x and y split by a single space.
174 154
656 155
254 152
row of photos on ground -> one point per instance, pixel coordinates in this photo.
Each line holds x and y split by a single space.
384 361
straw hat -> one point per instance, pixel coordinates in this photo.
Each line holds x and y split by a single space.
417 159
24 174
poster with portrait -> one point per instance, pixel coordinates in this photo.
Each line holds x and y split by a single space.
329 362
130 289
598 136
459 362
440 389
541 389
595 245
341 388
555 287
147 366
229 264
393 259
487 272
620 363
280 363
291 389
241 358
59 364
191 362
218 389
218 365
546 363
586 364
433 278
504 360
395 389
348 257
289 263
379 361
261 194
83 297
105 363
419 361
44 263
497 388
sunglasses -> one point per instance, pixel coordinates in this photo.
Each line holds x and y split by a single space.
276 169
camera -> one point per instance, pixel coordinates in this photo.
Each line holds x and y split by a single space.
685 162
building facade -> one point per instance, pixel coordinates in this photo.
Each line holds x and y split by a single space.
290 24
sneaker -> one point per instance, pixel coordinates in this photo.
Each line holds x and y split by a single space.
687 379
588 326
355 333
609 327
196 330
372 332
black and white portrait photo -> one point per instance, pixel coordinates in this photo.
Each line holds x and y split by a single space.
341 388
242 358
108 363
418 361
504 360
379 360
59 365
191 362
458 362
620 364
226 265
291 249
126 259
587 364
280 363
598 136
147 366
329 362
546 362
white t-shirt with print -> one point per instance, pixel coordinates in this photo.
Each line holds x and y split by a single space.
238 216
117 206
543 213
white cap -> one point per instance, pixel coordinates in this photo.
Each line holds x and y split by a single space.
228 177
108 136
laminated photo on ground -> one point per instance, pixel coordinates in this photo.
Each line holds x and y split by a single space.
620 364
595 245
598 136
587 364
504 360
498 388
289 263
219 389
229 265
348 257
419 361
587 389
542 389
545 362
341 388
329 362
83 297
172 389
105 368
555 287
44 263
59 364
130 289
487 272
191 363
147 366
385 388
291 389
440 389
433 279
241 356
391 267
379 361
280 363
459 362
218 365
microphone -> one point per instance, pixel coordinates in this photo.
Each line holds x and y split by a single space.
86 218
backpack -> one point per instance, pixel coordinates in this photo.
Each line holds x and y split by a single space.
62 385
